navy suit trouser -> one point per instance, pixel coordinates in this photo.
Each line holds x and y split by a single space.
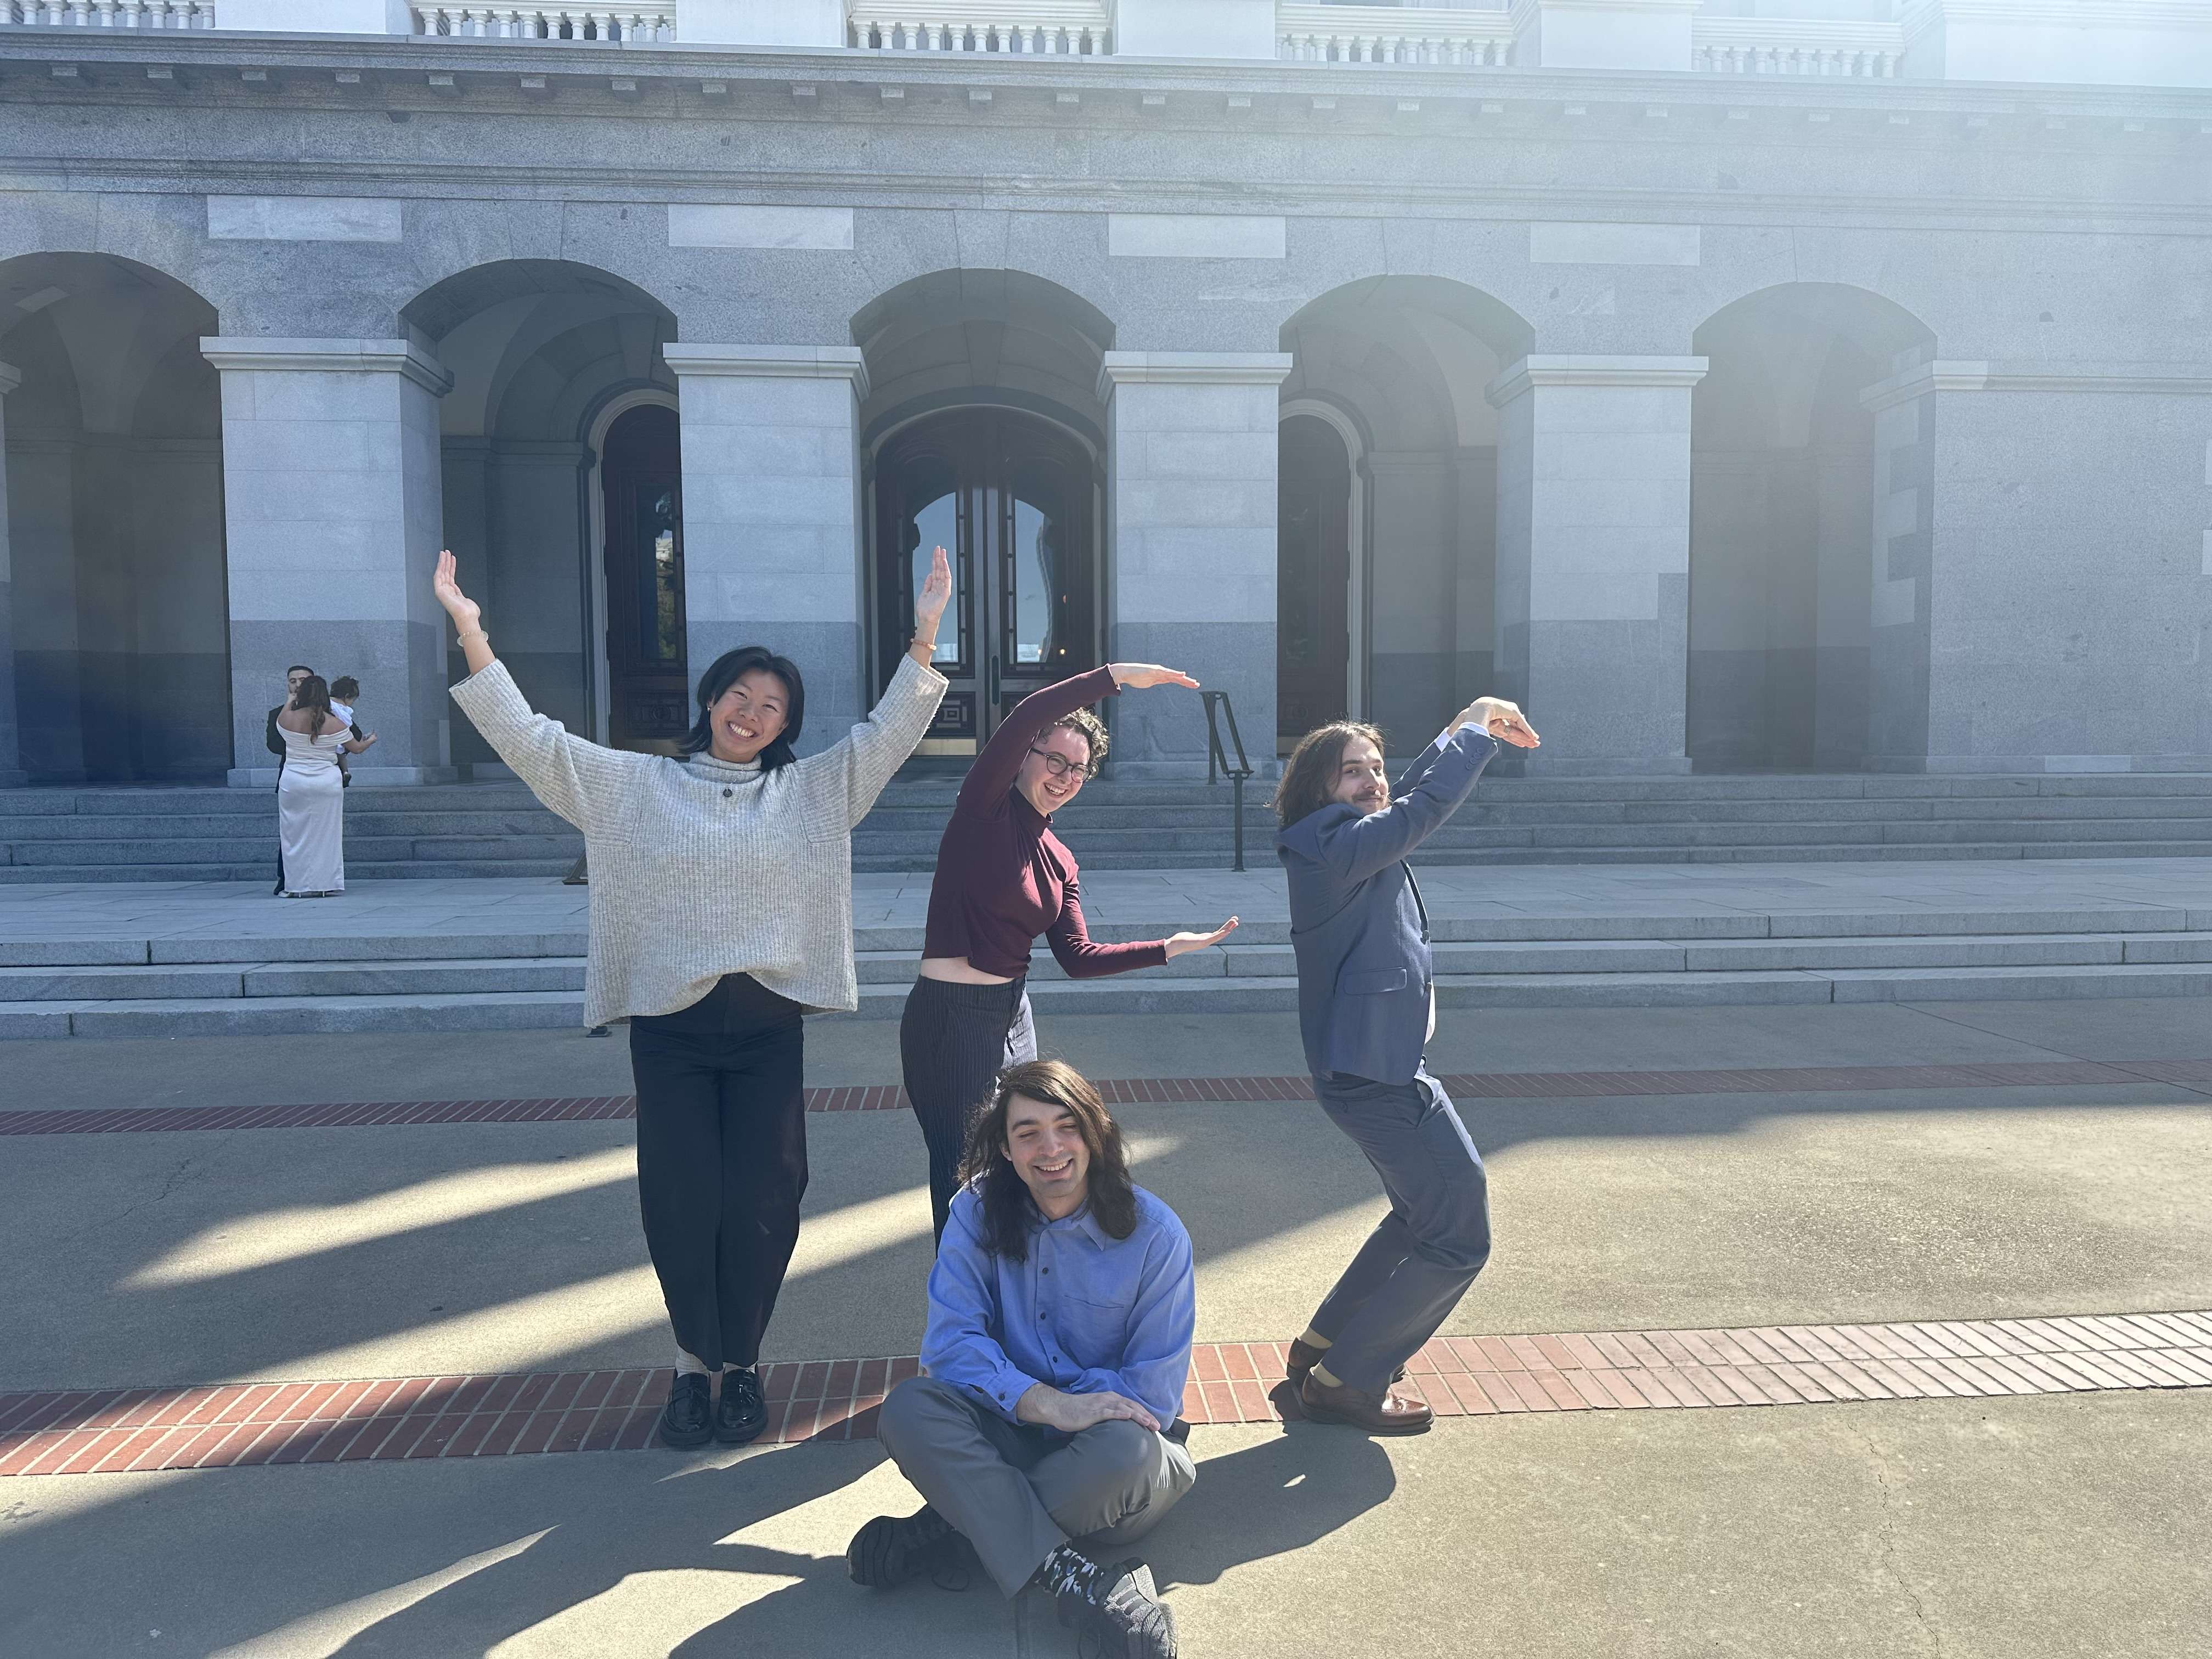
1421 1259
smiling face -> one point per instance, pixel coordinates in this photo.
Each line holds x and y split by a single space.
1359 781
1046 1148
292 681
750 715
1039 787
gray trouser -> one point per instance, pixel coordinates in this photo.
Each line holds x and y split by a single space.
1018 1492
1419 1262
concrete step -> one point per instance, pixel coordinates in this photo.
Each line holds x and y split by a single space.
1129 995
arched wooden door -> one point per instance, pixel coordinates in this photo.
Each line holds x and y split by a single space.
1010 500
650 687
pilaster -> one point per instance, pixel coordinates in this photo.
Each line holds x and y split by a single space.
1191 527
1593 557
333 515
772 514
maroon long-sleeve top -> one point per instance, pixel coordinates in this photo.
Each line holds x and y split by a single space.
1002 876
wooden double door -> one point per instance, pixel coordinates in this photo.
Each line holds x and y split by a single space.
1012 500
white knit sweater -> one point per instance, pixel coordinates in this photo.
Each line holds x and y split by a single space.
701 867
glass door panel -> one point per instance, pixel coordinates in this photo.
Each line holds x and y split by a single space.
1010 501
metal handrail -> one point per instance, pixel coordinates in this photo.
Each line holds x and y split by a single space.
1215 754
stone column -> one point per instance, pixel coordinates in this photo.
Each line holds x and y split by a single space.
11 763
772 515
333 518
1191 530
1593 557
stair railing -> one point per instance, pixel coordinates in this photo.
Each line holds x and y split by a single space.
1217 756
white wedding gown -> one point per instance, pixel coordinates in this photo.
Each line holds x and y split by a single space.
311 811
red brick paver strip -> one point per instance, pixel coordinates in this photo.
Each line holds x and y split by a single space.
889 1097
104 1430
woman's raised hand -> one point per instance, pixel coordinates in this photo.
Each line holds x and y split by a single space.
1137 676
936 590
1179 943
466 613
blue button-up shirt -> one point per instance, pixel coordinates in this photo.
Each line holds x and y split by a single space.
1083 1312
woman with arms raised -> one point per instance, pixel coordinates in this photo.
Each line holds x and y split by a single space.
721 912
1002 878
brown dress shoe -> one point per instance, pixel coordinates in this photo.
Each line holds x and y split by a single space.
1305 1357
1391 1412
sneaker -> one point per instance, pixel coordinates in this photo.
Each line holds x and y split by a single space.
740 1415
893 1548
688 1418
1123 1616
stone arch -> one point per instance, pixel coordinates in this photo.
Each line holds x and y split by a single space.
117 599
537 349
1807 511
983 429
1404 361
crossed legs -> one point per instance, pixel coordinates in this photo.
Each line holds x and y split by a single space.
1018 1492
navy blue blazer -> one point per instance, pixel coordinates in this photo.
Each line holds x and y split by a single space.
1356 922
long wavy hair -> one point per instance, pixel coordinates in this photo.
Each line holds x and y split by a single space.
313 697
1310 775
1009 1212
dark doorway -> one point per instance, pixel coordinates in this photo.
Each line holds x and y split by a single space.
1313 631
1010 500
650 688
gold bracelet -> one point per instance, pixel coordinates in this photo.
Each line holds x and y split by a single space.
473 634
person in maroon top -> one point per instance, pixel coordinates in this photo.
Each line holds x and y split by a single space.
1003 877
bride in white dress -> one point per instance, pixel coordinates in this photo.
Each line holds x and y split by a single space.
310 793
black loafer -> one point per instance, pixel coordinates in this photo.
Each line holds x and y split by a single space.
688 1418
740 1415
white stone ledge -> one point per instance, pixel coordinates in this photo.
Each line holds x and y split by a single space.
1191 368
784 362
1563 369
249 353
1965 375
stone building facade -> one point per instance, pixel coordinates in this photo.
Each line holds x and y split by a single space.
1771 384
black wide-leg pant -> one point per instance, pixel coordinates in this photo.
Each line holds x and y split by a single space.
722 1161
954 1040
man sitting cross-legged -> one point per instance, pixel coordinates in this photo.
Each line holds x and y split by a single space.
1059 1338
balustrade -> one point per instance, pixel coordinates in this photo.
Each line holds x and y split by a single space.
1392 35
109 14
1024 28
1727 45
635 25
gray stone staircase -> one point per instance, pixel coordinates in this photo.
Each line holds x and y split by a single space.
434 981
53 834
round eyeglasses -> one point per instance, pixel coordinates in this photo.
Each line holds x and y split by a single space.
1058 765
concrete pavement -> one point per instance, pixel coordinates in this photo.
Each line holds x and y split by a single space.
2031 1526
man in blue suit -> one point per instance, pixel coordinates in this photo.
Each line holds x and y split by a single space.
1366 1008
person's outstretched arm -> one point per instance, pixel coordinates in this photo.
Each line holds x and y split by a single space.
579 780
1081 957
859 764
1356 847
